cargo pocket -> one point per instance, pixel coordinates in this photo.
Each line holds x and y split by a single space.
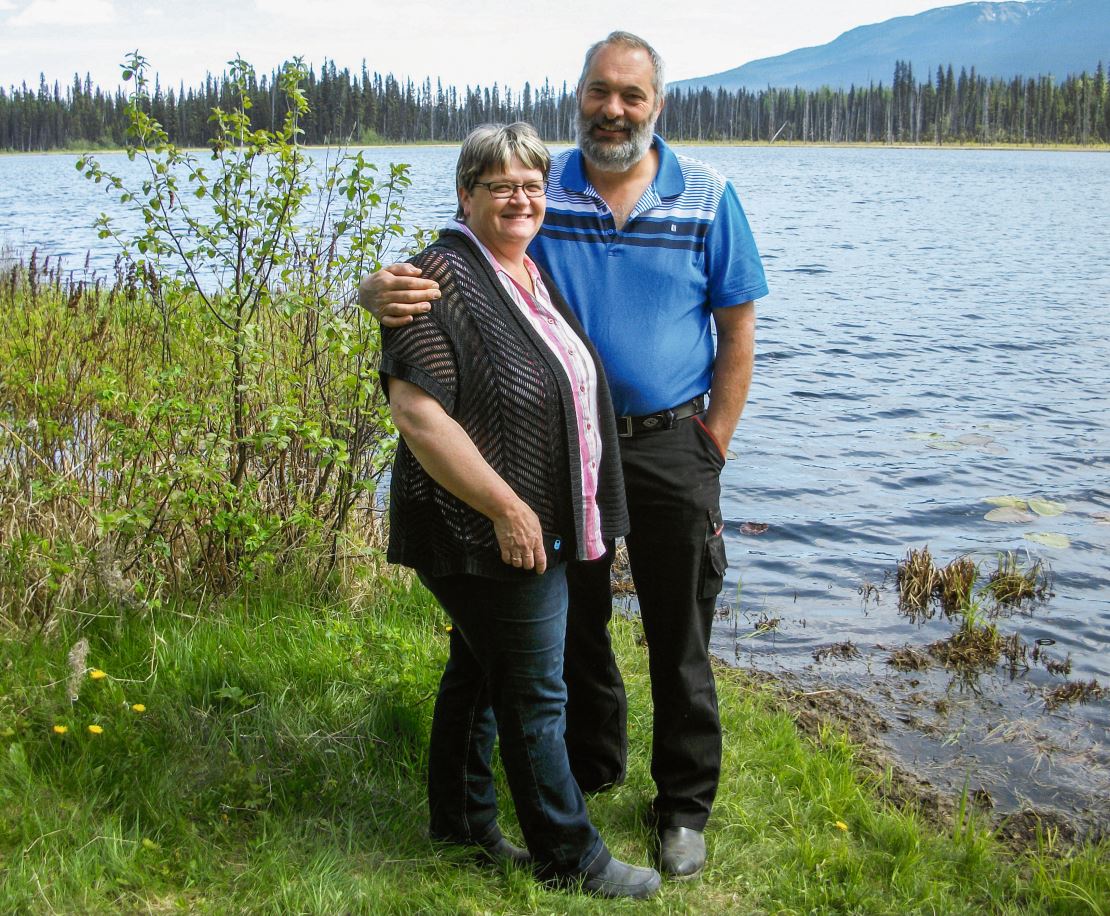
713 562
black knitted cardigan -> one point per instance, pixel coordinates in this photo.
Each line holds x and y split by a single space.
477 355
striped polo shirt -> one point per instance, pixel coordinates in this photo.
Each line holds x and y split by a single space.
645 293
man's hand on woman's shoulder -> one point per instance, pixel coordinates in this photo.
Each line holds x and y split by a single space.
396 293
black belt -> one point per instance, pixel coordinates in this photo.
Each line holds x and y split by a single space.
664 419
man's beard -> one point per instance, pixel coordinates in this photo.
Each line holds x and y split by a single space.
615 157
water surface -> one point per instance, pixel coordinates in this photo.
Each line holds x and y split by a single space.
935 335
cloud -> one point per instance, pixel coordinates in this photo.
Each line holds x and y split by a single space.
64 12
341 11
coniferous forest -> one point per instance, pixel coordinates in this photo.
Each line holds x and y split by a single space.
353 108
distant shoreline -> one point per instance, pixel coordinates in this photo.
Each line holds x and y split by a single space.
753 144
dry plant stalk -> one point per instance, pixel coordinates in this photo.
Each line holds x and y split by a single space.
621 572
956 582
1014 649
1073 692
918 580
78 656
907 658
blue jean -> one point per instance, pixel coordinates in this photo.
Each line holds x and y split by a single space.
504 678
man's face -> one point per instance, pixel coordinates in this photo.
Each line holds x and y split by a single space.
617 108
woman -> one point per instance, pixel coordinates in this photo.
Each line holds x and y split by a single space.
508 467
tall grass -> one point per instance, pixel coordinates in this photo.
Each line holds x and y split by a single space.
115 462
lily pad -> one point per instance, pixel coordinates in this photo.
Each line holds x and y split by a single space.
1046 506
975 439
1049 539
1009 514
926 436
1014 502
945 445
1101 518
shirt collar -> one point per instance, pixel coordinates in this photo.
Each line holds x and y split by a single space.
459 226
668 179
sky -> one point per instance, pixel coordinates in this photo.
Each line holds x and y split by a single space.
462 43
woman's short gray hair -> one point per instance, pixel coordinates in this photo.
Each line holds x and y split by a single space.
628 40
492 146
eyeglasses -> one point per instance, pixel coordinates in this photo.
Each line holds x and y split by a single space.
503 190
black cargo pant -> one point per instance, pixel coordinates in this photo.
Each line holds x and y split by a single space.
676 550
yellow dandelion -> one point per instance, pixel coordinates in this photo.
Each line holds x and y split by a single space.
61 729
96 674
840 825
96 730
138 707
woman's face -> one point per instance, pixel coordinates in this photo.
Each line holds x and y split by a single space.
506 225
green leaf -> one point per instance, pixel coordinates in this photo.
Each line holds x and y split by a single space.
1014 502
1049 539
1046 506
1009 514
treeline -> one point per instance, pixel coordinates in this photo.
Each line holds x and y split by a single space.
944 107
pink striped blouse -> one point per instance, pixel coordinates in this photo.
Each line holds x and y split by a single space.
579 368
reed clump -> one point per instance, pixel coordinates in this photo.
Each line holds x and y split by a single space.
844 651
974 646
1014 582
907 658
955 584
918 580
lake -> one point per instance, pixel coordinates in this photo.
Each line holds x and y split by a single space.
935 336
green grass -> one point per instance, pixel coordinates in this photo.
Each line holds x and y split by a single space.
278 768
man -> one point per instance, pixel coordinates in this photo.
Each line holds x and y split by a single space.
652 251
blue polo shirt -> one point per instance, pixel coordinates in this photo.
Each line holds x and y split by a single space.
645 294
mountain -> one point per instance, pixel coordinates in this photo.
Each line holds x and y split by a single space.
1057 37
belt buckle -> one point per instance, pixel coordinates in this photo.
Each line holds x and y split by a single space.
624 427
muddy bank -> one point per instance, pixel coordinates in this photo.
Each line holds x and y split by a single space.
814 703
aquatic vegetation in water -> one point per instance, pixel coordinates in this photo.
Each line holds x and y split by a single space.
1049 539
1073 692
1009 514
917 581
973 646
907 658
1046 507
1014 582
1012 502
956 581
1051 665
1013 509
1014 650
843 650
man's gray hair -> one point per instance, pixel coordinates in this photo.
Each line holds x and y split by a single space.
628 40
492 146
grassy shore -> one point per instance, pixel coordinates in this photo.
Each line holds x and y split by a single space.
267 756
